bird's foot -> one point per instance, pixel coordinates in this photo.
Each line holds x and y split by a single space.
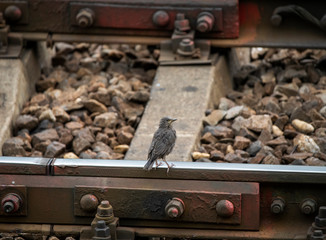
157 165
169 166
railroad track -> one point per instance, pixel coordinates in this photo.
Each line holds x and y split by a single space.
58 196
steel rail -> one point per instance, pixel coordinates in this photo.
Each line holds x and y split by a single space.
182 170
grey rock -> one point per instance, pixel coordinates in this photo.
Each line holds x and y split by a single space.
26 122
80 144
219 131
233 112
225 104
49 134
109 120
14 147
101 147
55 149
312 161
254 148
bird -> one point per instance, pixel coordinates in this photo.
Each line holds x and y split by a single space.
162 143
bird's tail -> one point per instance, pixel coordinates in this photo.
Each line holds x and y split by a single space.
148 166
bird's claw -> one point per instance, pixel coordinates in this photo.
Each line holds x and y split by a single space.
157 165
169 166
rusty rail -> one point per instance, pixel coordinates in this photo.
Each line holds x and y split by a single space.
267 199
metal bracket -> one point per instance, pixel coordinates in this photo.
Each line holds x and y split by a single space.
183 49
10 46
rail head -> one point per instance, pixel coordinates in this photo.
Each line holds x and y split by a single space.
182 170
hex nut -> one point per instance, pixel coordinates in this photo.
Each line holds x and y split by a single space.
85 17
277 206
308 206
11 203
320 220
174 208
224 208
205 22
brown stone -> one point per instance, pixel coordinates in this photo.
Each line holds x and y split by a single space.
216 155
291 157
265 136
14 147
208 138
80 144
93 105
241 142
48 134
270 159
26 122
102 137
257 159
74 125
277 141
124 137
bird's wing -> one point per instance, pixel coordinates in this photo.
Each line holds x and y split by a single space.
164 144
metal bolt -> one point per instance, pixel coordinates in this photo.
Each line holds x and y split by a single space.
161 18
277 206
308 206
181 24
317 235
276 20
102 232
320 220
186 47
89 203
13 13
205 22
11 203
174 208
224 208
85 17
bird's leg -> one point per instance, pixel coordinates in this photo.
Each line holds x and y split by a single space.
157 164
169 166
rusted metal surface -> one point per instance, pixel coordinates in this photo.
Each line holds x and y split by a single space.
50 200
120 16
248 24
13 200
140 203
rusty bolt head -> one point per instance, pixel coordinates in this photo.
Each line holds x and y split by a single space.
277 206
181 24
205 22
85 17
89 203
174 208
186 47
13 13
161 18
308 206
11 203
105 209
224 208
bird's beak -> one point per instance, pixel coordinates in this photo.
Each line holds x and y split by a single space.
172 120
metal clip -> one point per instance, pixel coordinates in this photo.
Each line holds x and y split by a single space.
183 49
